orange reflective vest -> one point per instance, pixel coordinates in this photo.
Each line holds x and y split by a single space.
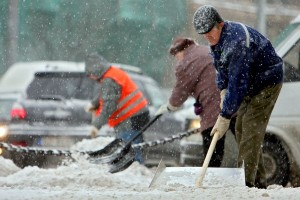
131 100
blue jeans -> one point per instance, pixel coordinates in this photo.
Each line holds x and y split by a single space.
126 136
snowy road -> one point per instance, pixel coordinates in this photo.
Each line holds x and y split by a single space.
82 180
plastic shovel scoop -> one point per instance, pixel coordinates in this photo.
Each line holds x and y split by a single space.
199 176
186 176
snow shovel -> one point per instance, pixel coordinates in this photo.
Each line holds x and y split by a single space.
126 159
186 176
117 150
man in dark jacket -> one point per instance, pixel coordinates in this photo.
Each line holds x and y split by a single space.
250 76
120 103
195 76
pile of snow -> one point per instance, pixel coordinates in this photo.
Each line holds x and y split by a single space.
7 167
92 144
84 180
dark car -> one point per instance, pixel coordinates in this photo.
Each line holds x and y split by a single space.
51 114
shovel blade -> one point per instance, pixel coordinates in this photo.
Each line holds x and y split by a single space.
215 177
160 168
123 160
108 149
105 159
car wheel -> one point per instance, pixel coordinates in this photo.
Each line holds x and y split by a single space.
23 160
276 162
18 158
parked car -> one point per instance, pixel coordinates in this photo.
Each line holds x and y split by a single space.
282 144
50 112
281 149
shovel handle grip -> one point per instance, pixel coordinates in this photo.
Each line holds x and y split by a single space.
207 159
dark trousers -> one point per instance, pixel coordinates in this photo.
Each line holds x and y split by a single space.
128 135
137 123
218 154
252 120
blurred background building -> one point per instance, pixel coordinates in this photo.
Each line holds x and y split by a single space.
126 31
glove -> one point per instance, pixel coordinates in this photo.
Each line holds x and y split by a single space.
94 132
162 110
221 126
222 95
89 108
165 108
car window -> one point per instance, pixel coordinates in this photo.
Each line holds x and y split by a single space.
285 34
292 64
61 86
87 90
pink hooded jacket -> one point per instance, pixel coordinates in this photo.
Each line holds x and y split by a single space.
195 76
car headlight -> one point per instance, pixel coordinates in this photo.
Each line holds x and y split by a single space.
193 124
194 138
3 131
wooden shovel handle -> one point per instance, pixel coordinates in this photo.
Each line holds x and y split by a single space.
207 159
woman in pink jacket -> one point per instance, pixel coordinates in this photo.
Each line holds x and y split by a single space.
195 76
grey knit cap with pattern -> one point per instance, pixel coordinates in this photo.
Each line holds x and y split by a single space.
205 18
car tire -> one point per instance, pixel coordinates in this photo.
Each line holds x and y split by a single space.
23 160
18 158
276 162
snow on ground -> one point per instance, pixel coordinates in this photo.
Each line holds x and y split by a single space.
84 180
